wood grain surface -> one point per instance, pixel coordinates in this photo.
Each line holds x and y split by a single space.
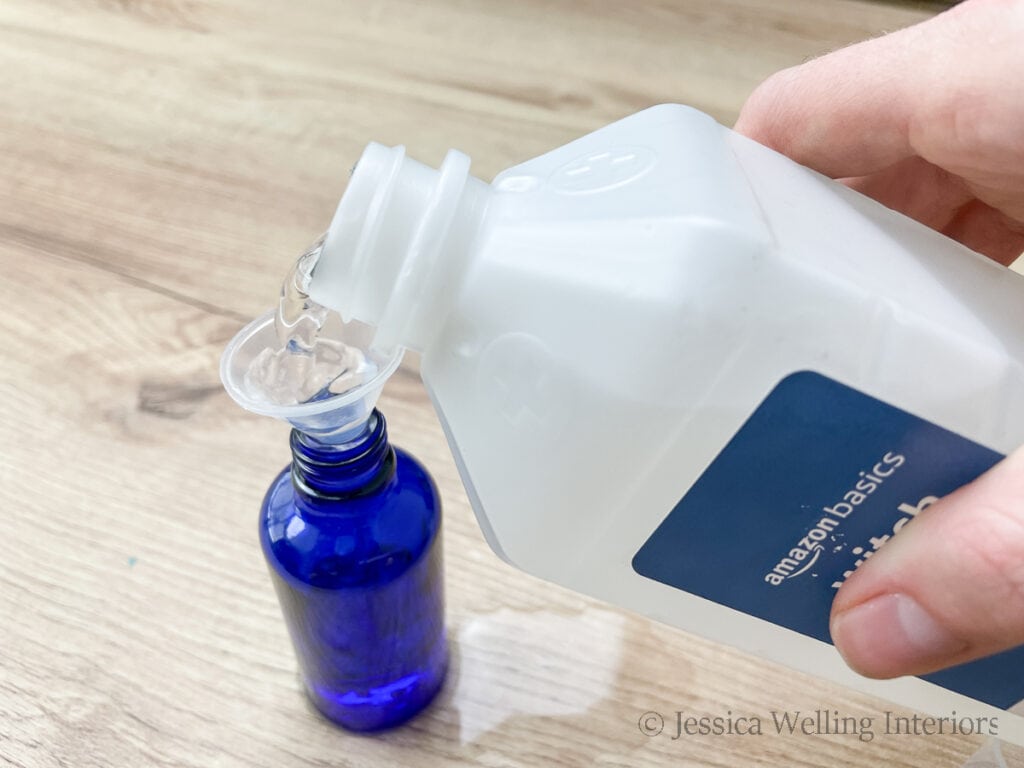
161 163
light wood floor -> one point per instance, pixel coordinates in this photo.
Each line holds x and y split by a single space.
161 163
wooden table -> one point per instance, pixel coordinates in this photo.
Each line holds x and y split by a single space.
161 163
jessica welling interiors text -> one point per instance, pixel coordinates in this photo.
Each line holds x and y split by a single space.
819 722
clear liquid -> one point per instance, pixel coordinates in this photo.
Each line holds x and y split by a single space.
311 360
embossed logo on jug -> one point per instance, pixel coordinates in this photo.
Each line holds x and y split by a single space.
607 169
525 384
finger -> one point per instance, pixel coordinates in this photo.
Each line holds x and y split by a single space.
918 189
988 231
862 108
845 114
944 202
948 589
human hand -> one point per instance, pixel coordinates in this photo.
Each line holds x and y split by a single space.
929 121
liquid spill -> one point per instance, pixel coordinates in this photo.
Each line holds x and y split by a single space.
556 682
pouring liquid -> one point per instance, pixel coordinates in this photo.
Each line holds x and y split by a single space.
311 360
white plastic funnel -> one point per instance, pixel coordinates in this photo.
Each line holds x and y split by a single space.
334 419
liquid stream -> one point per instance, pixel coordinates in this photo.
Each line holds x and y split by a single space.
311 360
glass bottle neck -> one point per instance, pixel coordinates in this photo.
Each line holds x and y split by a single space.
359 467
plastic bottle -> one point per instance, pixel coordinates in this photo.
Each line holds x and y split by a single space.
351 534
661 352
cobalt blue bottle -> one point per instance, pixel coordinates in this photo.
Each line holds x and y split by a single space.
351 533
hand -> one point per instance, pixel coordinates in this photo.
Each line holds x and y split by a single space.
929 121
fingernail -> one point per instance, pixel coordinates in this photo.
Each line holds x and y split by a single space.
892 635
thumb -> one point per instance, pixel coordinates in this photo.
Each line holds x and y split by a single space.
948 589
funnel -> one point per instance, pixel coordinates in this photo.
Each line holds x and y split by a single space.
333 419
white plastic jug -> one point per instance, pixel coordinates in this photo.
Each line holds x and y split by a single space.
684 374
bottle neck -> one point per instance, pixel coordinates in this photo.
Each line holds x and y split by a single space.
359 467
398 245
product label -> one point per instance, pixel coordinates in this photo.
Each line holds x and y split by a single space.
816 481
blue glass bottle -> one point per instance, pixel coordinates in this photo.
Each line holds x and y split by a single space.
351 533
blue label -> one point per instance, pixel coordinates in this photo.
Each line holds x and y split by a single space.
817 479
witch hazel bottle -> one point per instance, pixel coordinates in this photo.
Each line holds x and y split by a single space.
681 373
351 533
